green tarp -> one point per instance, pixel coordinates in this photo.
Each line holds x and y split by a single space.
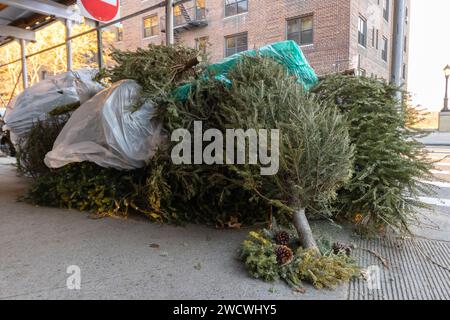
287 53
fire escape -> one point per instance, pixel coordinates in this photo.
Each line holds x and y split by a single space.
187 16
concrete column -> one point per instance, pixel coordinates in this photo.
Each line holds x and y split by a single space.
170 39
69 45
23 47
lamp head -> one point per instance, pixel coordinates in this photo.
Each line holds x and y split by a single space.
447 71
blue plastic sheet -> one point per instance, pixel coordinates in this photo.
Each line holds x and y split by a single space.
287 53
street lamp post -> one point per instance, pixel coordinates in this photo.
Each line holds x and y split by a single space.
447 75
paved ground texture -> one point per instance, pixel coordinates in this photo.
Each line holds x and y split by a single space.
437 139
417 268
410 274
118 258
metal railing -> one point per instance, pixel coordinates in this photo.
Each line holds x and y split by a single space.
97 29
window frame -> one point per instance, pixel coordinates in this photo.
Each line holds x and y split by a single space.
385 49
144 35
361 18
236 35
373 37
235 3
198 41
377 40
119 34
386 9
300 37
178 18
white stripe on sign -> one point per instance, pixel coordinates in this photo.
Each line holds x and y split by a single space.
111 2
436 201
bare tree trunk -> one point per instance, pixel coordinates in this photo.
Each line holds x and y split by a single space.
304 230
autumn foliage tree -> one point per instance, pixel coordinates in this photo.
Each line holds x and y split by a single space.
53 61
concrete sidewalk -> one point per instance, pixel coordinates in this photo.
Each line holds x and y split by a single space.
116 257
437 139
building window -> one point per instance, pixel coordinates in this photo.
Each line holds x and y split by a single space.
406 15
373 37
178 19
234 7
404 72
384 51
377 40
119 34
235 43
200 9
300 30
362 31
201 44
405 44
386 10
151 26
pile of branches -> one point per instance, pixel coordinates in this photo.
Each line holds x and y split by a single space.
86 186
314 151
344 148
314 148
158 69
32 148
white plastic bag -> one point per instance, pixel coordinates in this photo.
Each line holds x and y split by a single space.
110 131
36 102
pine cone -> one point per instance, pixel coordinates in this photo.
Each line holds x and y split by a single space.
284 255
342 248
282 238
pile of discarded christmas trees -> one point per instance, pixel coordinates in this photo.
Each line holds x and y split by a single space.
153 143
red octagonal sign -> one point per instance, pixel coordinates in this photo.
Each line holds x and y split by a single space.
100 10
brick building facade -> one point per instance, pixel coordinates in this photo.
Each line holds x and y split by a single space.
339 35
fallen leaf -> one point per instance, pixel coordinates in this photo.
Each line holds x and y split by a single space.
234 223
154 246
96 216
300 290
198 266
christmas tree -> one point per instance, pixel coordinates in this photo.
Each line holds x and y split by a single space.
390 165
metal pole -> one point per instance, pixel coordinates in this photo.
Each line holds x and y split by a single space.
399 41
446 95
99 46
170 39
23 47
69 45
